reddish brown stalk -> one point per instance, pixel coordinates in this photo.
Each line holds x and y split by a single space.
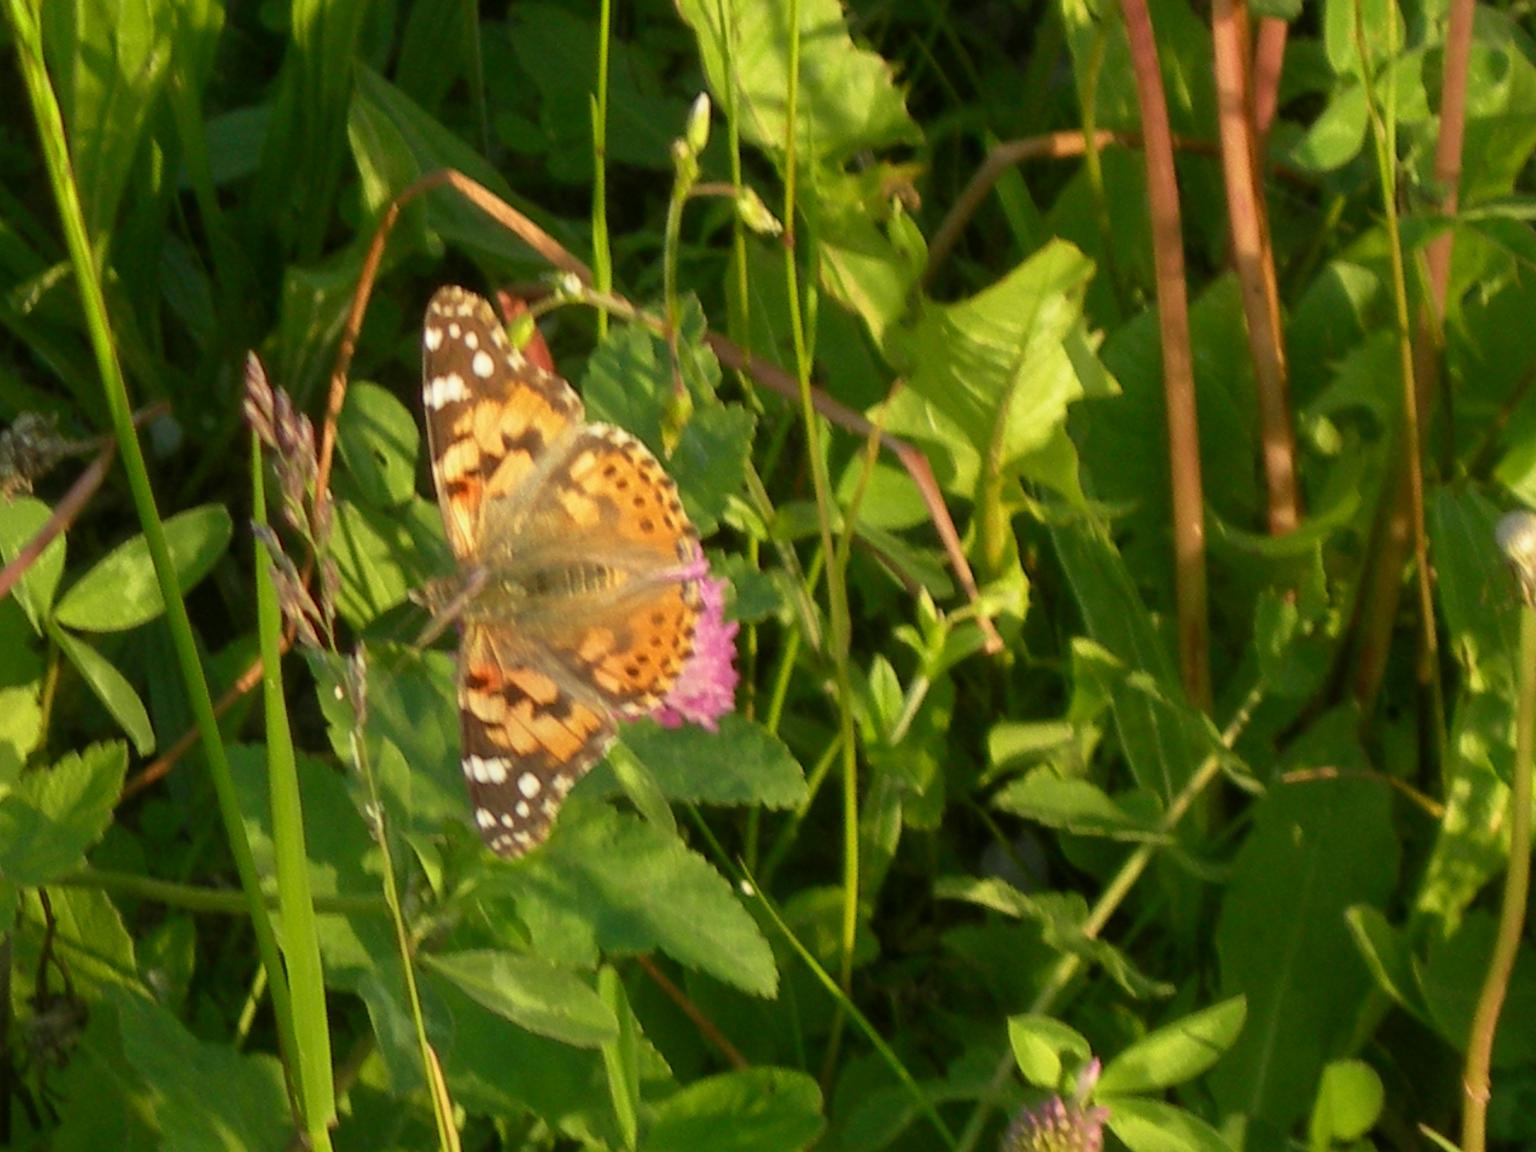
1268 59
703 1023
1178 369
1253 261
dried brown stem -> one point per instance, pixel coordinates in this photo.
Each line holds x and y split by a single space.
1253 261
703 1023
1178 368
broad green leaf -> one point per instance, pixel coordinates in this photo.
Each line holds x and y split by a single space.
207 1095
111 688
1349 1102
847 101
379 441
710 462
530 992
1317 848
742 763
642 890
999 371
120 591
1337 135
108 59
1078 806
1039 1042
1176 1052
1164 738
20 520
1349 23
1153 1126
54 814
751 1110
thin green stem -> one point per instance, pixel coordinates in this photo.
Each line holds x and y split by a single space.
301 939
602 252
1384 136
1517 888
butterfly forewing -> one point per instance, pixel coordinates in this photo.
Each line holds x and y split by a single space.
491 413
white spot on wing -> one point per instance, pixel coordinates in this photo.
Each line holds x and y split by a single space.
483 364
528 785
432 337
446 389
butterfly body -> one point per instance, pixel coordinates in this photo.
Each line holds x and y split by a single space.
575 592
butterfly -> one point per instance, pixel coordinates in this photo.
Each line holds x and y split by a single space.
576 592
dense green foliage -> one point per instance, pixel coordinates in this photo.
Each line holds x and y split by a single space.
1217 805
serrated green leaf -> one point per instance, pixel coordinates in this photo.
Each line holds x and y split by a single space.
20 520
1153 1126
752 1110
120 590
56 813
710 462
111 688
742 763
533 993
379 441
1176 1052
642 890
